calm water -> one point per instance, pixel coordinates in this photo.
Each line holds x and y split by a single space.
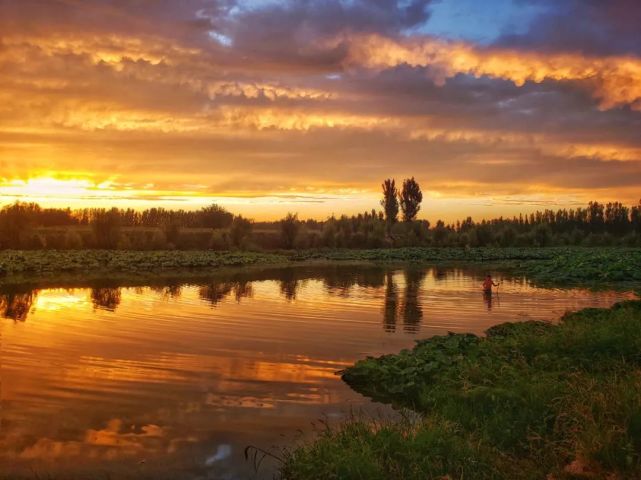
175 380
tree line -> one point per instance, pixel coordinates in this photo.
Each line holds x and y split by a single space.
29 226
24 225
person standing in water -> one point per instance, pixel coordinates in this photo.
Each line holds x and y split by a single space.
488 283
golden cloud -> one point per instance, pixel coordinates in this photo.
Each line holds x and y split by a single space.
271 91
109 49
614 81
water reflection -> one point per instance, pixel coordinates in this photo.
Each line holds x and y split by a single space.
289 285
243 289
411 309
217 291
106 298
175 379
15 304
390 309
400 302
171 291
340 280
488 297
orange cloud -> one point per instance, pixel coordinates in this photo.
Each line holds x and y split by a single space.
269 90
109 50
614 81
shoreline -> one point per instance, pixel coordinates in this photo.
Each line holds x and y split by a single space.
616 267
527 400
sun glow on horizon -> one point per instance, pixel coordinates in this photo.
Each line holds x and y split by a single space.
450 201
51 187
50 191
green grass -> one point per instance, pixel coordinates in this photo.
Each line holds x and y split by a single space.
528 401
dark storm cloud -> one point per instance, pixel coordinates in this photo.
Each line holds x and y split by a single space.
594 27
293 32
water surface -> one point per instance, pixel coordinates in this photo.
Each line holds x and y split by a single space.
174 380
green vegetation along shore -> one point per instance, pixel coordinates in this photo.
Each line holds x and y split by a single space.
565 266
528 401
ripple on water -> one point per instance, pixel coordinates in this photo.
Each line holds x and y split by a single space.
176 380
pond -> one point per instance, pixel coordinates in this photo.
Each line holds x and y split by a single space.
174 379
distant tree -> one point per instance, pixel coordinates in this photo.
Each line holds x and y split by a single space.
106 227
16 223
389 201
542 235
507 237
617 218
635 217
410 199
440 232
241 228
215 216
596 216
289 227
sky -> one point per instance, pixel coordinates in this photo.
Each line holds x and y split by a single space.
268 107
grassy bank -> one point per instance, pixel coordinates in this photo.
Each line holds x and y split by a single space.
529 401
555 266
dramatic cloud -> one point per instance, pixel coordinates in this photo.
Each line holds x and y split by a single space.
269 106
614 81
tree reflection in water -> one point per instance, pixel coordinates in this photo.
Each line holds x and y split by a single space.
243 289
289 284
16 305
216 292
399 304
172 291
106 298
411 308
289 289
390 309
339 281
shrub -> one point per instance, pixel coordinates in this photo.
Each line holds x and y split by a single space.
240 231
219 240
73 241
158 240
